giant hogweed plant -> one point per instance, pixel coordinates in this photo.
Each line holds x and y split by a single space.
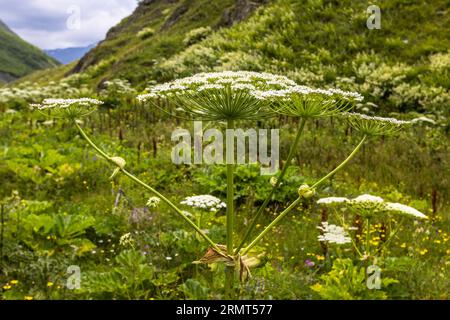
228 97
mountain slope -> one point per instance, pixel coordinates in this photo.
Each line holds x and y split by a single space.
156 30
18 57
403 66
68 55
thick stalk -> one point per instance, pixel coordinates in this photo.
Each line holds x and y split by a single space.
272 191
229 272
146 186
299 199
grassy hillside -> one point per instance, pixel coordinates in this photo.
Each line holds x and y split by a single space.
18 57
403 66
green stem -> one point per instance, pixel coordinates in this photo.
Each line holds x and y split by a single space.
367 246
299 199
391 237
146 186
277 184
229 272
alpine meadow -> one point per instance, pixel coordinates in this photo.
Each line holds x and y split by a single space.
231 149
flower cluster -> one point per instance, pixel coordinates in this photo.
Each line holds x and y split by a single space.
367 203
70 108
302 101
333 234
153 202
236 80
220 95
204 202
375 126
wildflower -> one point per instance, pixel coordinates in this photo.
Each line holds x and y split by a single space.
153 202
14 281
273 181
367 202
7 286
333 234
67 108
219 96
126 240
28 298
206 202
320 258
332 200
423 119
306 102
404 209
309 263
375 126
423 251
306 191
50 284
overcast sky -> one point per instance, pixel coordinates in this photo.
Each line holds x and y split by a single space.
51 24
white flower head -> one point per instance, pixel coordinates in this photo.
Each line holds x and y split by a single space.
67 108
333 234
332 200
404 209
205 202
219 95
367 203
375 126
153 202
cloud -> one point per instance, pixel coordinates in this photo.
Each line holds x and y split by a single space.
64 23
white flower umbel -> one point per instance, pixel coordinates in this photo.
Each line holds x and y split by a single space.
67 108
332 200
153 202
206 202
404 209
375 126
333 234
228 95
306 102
367 203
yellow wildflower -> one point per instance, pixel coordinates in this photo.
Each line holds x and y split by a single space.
50 284
28 298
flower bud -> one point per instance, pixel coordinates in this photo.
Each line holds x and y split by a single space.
120 162
306 191
273 181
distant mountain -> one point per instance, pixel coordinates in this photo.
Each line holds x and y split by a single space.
18 57
68 55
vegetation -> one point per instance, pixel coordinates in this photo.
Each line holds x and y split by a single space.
60 209
18 58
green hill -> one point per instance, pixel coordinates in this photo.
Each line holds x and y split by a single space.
18 57
402 66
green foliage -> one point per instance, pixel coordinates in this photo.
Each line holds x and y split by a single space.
346 281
